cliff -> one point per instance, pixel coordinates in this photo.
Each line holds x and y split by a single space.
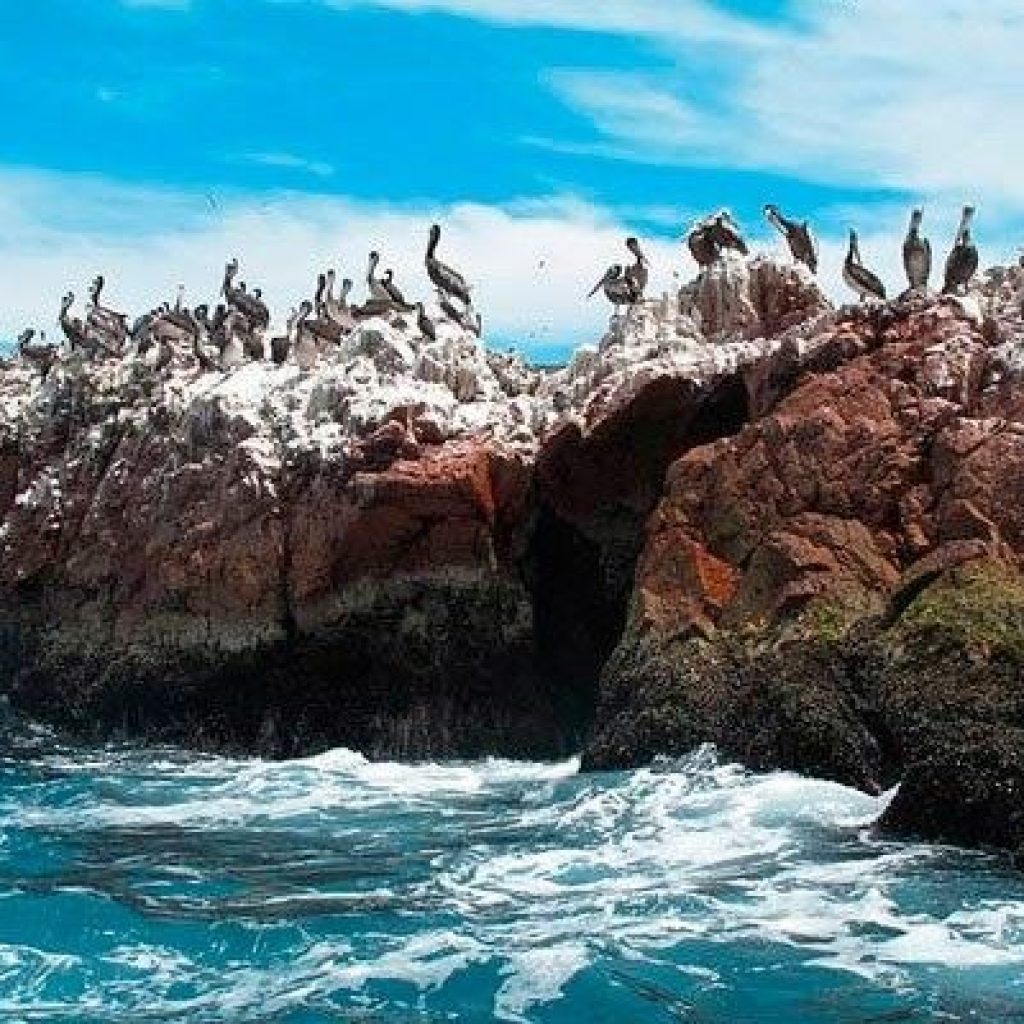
743 517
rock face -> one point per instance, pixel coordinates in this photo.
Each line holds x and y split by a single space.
280 560
836 588
742 517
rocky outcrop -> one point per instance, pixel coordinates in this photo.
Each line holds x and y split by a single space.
365 553
835 589
742 517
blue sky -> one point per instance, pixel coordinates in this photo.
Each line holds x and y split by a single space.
152 139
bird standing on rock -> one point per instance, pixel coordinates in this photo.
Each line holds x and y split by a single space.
802 245
450 281
637 275
616 287
857 276
962 263
917 254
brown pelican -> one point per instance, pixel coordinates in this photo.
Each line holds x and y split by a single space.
857 276
917 254
962 262
251 306
802 244
112 326
205 362
447 308
616 287
72 327
637 274
232 353
378 292
280 345
306 347
42 357
388 284
318 298
450 281
702 247
725 233
425 324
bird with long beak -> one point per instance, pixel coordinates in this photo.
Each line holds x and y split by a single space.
446 278
617 288
857 276
917 254
802 245
962 262
637 274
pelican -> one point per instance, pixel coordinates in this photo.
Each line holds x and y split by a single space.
378 292
616 287
42 357
637 274
702 247
72 327
253 307
306 348
318 298
963 258
450 281
802 244
281 344
857 276
336 309
107 322
425 324
725 233
917 254
233 354
388 284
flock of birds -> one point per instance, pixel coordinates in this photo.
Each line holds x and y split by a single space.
235 332
712 237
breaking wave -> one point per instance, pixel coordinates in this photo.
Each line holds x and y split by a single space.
160 886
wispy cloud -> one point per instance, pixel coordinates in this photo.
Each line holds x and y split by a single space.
694 20
291 162
870 94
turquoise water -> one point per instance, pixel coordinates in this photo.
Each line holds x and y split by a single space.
161 886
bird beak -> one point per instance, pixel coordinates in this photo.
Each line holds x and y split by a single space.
593 291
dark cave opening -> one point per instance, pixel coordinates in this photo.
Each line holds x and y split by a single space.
596 494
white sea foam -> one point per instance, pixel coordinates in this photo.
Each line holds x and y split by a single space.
530 872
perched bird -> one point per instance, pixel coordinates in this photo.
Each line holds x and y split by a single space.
450 281
802 244
281 345
306 347
726 232
425 324
962 262
253 307
917 254
857 276
378 292
232 354
637 274
41 357
388 284
617 288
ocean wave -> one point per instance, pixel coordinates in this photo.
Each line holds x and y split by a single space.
173 887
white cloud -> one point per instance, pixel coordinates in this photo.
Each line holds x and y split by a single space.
291 162
532 262
866 94
662 19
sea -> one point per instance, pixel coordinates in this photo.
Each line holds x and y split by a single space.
145 885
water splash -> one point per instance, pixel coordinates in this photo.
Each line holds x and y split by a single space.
164 886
